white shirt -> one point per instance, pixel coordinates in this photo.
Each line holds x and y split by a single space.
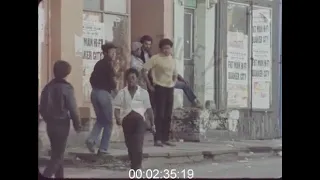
146 56
136 63
139 103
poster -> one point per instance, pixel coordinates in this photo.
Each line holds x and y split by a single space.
237 70
262 62
93 38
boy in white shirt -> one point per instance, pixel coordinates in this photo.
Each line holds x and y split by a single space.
130 105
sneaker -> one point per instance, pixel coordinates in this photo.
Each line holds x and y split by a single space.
168 143
158 143
90 146
102 153
197 104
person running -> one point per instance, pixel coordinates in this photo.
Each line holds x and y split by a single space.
57 107
130 105
103 83
164 76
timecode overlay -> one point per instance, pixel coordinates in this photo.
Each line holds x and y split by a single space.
161 174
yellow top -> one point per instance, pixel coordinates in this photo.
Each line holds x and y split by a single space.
163 70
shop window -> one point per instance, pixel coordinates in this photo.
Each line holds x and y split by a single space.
117 31
188 33
94 5
119 6
107 21
238 18
238 64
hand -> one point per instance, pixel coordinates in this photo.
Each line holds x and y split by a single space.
118 122
78 130
186 82
151 88
153 129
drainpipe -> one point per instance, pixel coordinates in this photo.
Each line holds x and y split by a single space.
280 67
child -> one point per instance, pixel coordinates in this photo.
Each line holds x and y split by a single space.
57 107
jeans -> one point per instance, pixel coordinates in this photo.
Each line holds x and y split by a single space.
163 97
134 129
187 90
102 105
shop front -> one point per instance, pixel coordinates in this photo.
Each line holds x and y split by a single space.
248 50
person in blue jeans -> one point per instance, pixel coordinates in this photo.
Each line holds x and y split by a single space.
182 84
103 85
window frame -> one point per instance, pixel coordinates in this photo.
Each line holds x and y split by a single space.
102 11
191 12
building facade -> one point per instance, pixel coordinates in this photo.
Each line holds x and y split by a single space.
227 50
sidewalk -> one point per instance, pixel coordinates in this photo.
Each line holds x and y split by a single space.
211 148
182 149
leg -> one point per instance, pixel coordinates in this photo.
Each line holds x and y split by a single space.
151 97
128 129
106 120
96 130
187 90
138 138
58 140
160 103
134 127
93 137
168 114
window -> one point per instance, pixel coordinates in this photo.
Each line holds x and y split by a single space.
94 5
238 56
119 6
109 18
188 33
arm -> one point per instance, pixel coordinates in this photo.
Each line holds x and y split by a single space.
175 74
147 106
117 106
43 102
147 67
73 108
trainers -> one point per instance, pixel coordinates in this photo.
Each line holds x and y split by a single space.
90 146
168 143
158 143
102 153
197 104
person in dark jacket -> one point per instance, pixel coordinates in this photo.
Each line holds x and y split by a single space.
103 82
57 107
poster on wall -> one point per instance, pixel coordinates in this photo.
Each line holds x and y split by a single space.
237 70
93 38
262 62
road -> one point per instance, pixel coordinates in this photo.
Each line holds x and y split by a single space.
255 168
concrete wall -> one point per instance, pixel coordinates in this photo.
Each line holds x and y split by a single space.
152 18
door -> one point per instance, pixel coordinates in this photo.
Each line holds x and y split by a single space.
188 50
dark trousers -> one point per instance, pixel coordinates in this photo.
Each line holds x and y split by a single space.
58 136
134 129
163 99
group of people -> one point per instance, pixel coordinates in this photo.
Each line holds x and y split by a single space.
149 92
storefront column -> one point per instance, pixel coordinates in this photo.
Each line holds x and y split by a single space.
65 24
204 51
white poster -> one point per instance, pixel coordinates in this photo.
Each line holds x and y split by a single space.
237 70
93 38
262 62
